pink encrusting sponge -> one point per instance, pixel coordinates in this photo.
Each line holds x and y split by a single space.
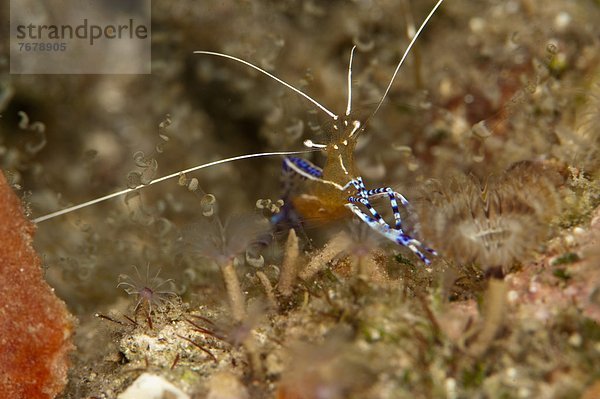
35 326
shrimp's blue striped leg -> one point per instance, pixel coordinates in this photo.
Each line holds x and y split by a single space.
302 167
365 201
376 222
396 235
365 194
378 193
362 198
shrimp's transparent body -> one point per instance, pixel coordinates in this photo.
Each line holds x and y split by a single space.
339 188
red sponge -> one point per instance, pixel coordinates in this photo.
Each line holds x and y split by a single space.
35 326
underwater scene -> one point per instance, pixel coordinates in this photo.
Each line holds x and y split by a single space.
301 199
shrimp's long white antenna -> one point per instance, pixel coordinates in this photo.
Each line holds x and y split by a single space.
160 179
289 86
349 107
406 52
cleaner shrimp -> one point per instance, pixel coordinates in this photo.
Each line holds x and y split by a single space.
337 188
